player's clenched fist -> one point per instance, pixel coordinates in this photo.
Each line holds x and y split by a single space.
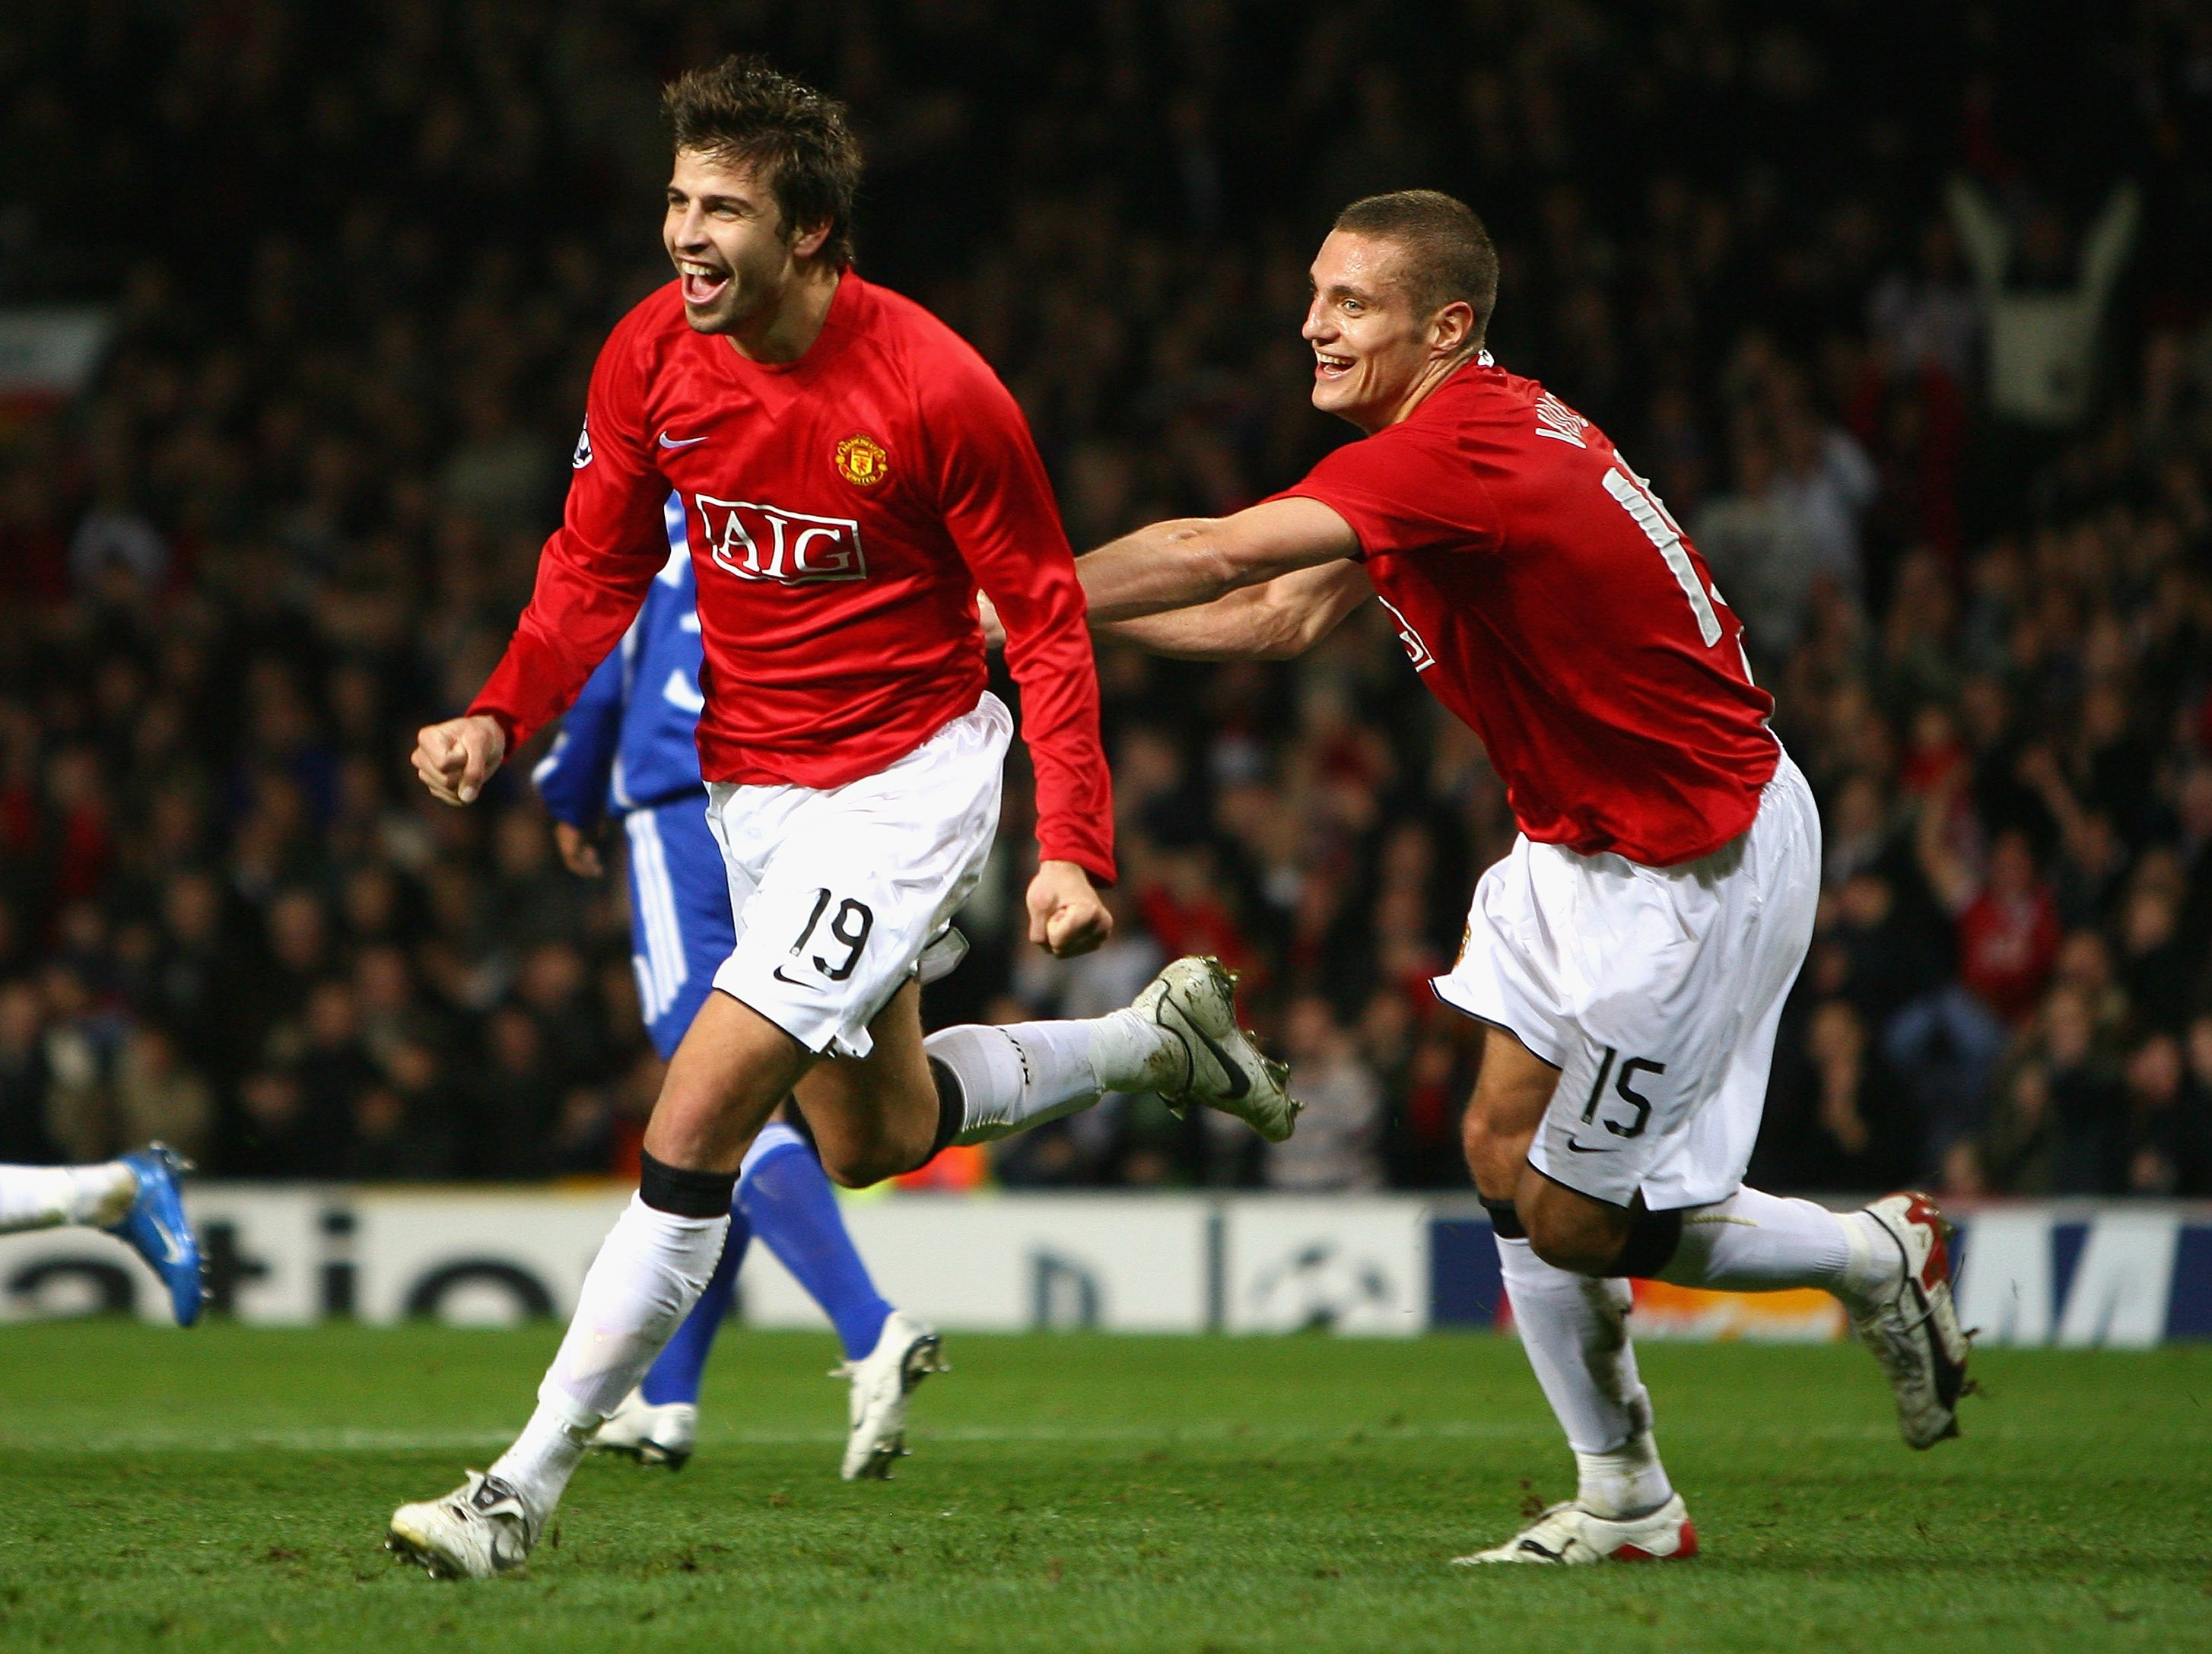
457 757
1065 914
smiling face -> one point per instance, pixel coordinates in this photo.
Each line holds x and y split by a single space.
725 236
1375 354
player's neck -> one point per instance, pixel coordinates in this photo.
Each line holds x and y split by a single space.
1431 376
786 331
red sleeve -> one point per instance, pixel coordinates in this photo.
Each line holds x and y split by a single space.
1400 493
997 505
594 571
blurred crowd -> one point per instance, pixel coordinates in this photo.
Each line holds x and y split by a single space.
1906 310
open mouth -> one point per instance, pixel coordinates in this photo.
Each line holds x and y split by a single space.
702 283
1331 367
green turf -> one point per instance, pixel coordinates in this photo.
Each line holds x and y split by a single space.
225 1489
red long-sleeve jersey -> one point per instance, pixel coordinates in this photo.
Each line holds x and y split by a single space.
1546 596
843 509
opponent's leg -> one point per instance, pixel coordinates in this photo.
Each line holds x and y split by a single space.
48 1196
733 1069
887 1351
134 1198
787 1198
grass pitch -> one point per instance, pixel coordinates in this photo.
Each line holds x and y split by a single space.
226 1490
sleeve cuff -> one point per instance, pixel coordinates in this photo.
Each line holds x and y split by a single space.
1097 864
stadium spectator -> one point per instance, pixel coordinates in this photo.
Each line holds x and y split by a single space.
1335 1148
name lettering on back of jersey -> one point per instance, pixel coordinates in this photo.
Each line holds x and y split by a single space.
765 542
1416 650
1555 420
1659 527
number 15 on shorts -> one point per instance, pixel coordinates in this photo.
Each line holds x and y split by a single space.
1637 1115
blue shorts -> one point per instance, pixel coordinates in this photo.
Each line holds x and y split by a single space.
680 930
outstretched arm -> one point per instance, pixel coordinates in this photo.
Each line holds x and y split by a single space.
1275 620
1196 559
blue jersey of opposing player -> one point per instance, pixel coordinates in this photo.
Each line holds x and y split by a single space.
630 741
628 748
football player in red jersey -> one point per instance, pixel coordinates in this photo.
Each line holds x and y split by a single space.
850 473
1632 955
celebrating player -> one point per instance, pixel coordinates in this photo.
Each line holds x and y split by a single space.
134 1197
1632 953
628 746
850 472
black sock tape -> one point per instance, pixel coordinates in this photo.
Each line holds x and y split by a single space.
1504 1219
686 1194
952 1107
1652 1238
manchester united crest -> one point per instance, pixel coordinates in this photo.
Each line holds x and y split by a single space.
862 460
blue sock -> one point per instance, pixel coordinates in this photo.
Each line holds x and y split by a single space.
676 1374
788 1199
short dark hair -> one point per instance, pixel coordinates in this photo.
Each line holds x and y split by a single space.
1447 254
743 113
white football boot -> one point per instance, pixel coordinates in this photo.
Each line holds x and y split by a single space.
1567 1535
481 1529
906 1352
1194 999
1913 1326
652 1435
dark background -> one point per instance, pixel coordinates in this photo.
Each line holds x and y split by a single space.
360 257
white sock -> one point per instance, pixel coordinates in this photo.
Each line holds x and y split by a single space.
1129 1053
44 1196
1629 1482
650 1271
1575 1328
543 1457
1024 1074
1757 1242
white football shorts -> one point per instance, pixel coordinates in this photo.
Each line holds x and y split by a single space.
1656 991
837 891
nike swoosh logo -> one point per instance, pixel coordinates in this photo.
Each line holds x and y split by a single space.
1239 1081
173 1253
667 442
778 974
1587 1149
1534 1549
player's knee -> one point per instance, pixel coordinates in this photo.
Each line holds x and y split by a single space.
1590 1237
1571 1231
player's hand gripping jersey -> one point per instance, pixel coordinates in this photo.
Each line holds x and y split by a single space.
841 511
1547 598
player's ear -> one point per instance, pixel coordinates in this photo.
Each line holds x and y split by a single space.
812 239
1452 328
